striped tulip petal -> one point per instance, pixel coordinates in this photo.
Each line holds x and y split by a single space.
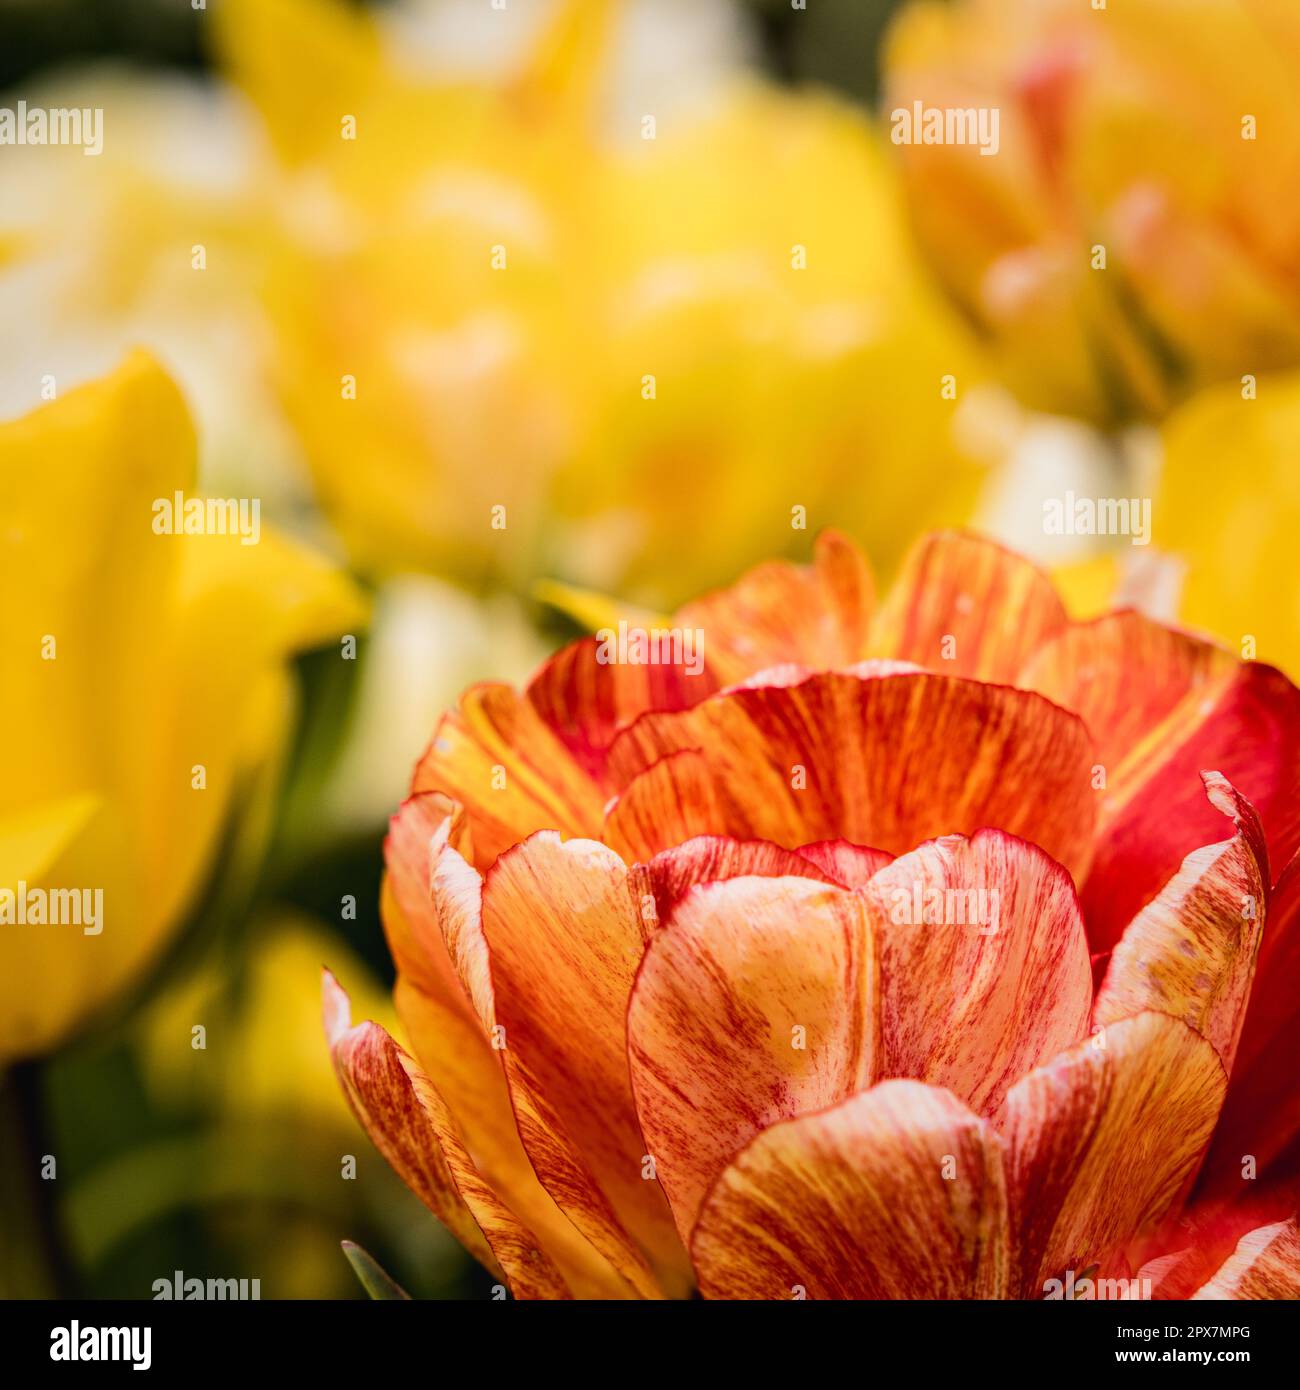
1247 726
897 1192
1265 1264
816 615
408 1123
1103 1141
885 760
510 772
1256 1148
563 945
1191 951
755 1002
670 875
983 964
967 607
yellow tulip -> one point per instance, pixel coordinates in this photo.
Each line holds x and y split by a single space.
1229 503
515 342
145 689
1125 241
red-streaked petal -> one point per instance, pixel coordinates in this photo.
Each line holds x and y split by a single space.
564 944
1191 951
1103 1141
1265 1264
415 836
586 701
816 616
755 1002
1256 1147
897 1192
965 606
1123 674
676 800
1248 728
408 1123
509 771
983 964
846 863
885 760
705 859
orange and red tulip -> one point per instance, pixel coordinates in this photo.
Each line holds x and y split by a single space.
674 1023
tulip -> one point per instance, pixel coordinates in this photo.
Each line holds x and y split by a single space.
146 692
1229 501
909 950
541 334
1125 245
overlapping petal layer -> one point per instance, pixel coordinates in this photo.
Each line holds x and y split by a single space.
819 1009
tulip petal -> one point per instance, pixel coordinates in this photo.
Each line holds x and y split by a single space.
1103 1141
409 1124
1247 726
586 699
1256 1149
754 1003
966 606
844 862
1123 674
897 1192
509 770
564 944
676 800
983 964
887 760
415 834
778 613
671 874
1191 951
1265 1264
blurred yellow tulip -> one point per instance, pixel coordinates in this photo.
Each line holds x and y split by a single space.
153 241
1131 236
1229 505
145 689
516 341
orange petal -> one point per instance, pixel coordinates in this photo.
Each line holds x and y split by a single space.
1191 951
509 770
897 1192
983 964
1122 674
816 616
965 606
668 877
1256 1147
415 834
1103 1141
1247 726
564 944
676 800
408 1123
843 862
885 760
753 1004
1266 1264
587 701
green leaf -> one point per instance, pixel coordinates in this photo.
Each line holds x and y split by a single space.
374 1280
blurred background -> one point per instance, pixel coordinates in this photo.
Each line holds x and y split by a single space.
589 297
